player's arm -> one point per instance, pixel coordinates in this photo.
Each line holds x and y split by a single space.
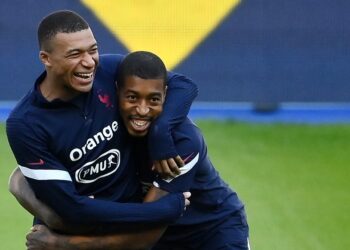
180 94
191 147
42 238
20 189
25 196
53 185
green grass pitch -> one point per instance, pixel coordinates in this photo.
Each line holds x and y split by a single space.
294 180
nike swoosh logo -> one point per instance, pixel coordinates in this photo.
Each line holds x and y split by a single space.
187 158
40 162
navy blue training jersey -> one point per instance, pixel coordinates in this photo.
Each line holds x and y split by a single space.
70 150
212 200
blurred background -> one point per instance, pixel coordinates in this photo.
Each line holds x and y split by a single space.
251 54
274 100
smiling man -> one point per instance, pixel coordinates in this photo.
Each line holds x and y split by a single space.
142 88
66 136
138 119
215 219
71 58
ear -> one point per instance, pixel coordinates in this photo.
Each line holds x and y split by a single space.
45 58
165 90
119 90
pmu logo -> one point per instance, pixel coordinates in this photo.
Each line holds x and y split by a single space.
106 164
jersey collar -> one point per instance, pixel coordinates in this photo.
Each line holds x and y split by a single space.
41 101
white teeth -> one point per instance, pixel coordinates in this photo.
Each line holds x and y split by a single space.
140 123
84 75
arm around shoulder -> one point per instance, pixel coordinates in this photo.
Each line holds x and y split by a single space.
181 93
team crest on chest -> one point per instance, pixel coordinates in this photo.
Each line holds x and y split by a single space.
105 99
105 165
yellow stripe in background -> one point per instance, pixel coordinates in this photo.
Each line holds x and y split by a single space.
171 29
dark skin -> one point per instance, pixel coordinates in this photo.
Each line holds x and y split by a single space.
41 237
168 168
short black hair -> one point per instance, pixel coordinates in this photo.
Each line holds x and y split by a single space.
62 21
143 64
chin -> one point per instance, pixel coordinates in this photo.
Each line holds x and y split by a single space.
85 89
137 134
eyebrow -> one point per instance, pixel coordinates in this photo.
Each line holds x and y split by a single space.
150 94
156 93
78 50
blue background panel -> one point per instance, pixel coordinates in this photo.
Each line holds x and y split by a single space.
264 51
19 64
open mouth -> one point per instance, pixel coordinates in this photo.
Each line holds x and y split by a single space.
84 76
140 125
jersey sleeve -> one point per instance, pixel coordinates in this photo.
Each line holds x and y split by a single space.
110 63
180 95
53 185
189 145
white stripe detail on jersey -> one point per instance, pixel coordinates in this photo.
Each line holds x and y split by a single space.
44 175
183 170
156 184
248 243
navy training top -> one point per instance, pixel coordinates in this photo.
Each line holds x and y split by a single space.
70 150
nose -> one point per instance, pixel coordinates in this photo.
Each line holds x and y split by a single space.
88 61
142 108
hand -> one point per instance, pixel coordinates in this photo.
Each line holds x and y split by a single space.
168 168
40 238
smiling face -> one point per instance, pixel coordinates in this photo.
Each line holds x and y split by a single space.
140 102
71 63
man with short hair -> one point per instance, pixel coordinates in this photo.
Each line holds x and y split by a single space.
215 219
67 137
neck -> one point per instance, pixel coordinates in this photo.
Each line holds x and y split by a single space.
51 90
